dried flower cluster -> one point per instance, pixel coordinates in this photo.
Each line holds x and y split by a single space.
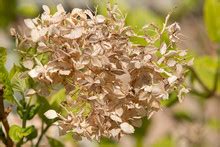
111 83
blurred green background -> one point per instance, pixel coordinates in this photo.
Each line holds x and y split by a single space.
193 123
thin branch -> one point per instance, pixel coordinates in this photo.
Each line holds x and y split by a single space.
215 85
43 131
199 80
3 118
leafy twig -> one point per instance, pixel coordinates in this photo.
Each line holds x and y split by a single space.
3 118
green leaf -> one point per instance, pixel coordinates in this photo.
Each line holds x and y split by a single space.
15 133
182 115
164 142
87 109
44 106
212 19
3 56
58 97
137 18
54 142
4 79
205 66
15 69
33 109
30 132
106 142
19 83
172 100
102 9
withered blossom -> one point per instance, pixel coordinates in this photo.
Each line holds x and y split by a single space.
111 83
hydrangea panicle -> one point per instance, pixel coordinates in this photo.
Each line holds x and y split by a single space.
111 81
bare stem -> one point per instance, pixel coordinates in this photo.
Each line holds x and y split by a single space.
3 118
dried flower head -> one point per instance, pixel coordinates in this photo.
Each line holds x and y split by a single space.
111 83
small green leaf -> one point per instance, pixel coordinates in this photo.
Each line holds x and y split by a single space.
33 109
4 79
3 56
15 69
19 83
15 133
87 109
58 97
54 142
212 19
20 112
172 100
30 132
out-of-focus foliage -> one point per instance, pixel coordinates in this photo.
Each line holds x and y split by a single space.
7 12
54 143
165 142
206 69
28 10
212 19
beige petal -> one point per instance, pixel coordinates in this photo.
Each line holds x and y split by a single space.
92 98
163 49
127 128
29 64
100 19
29 23
171 62
35 36
119 111
46 9
51 114
172 79
74 34
115 132
96 62
64 72
60 8
115 118
30 92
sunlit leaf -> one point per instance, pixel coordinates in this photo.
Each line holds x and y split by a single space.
15 133
212 19
57 97
206 67
54 142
